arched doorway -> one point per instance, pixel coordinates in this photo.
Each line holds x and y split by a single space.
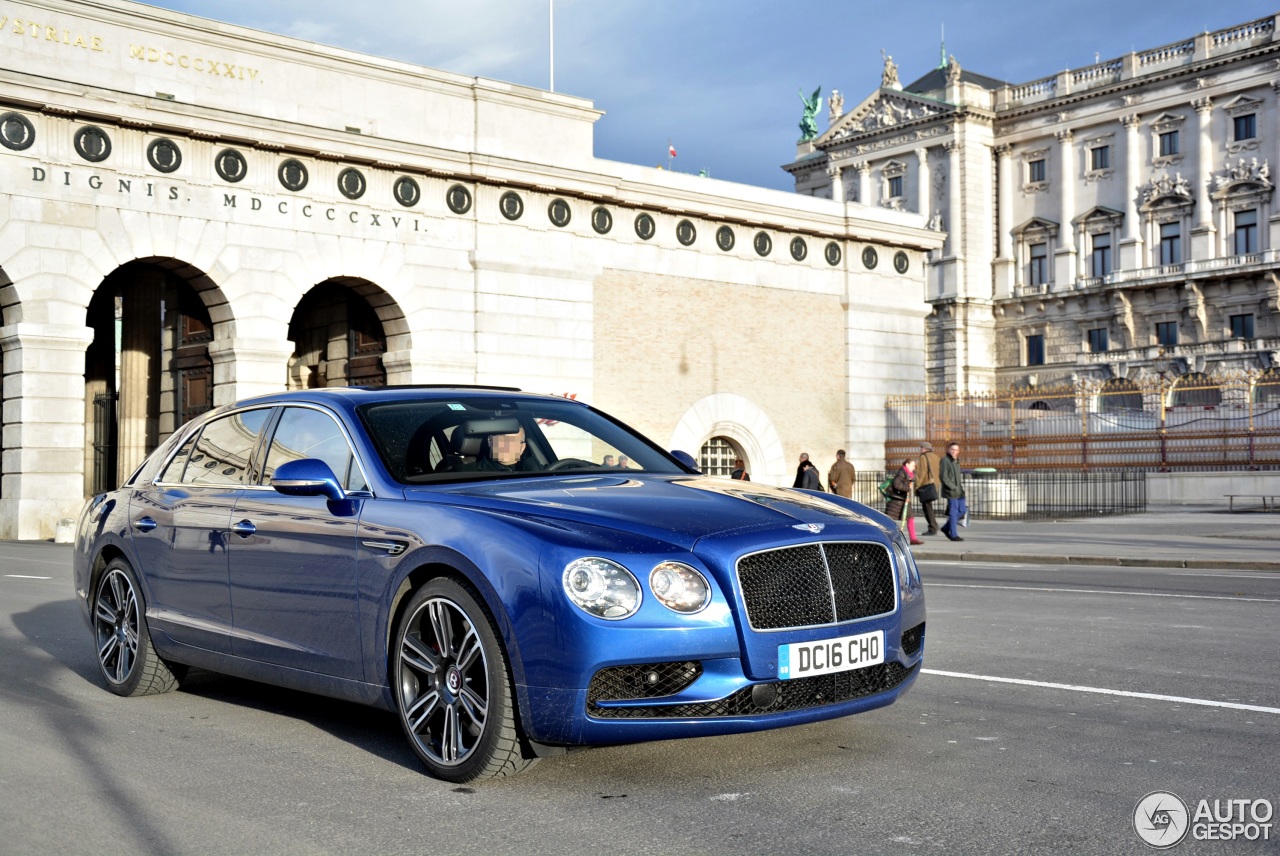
717 455
148 368
337 336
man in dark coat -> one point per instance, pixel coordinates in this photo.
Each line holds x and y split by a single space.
952 491
928 472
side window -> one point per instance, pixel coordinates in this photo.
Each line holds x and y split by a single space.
306 433
173 472
224 449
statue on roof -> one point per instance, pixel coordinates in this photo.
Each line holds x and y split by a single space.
953 70
835 105
889 79
808 126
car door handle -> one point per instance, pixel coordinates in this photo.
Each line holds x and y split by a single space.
244 528
144 524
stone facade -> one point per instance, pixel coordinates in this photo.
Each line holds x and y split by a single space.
1104 222
191 213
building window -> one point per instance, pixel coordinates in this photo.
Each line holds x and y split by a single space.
1099 341
1245 127
1101 257
895 187
1039 273
1036 171
1167 333
1242 326
1100 158
1035 349
1169 144
1170 243
717 456
1246 234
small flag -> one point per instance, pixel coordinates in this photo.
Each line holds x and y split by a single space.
671 150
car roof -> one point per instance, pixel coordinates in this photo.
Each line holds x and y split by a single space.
350 396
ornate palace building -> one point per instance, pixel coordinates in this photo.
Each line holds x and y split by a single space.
1103 225
192 213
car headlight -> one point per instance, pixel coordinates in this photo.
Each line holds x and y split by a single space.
601 588
908 571
900 553
679 587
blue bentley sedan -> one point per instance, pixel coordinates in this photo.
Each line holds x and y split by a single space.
475 560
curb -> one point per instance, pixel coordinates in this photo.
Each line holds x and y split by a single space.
1098 561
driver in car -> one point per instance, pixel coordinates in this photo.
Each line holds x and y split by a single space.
503 453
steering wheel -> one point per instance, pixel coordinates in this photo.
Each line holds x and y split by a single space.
569 464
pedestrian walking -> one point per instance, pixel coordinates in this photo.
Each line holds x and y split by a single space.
929 484
740 470
952 491
804 459
840 478
899 505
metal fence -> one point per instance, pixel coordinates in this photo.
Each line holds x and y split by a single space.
1192 422
1032 495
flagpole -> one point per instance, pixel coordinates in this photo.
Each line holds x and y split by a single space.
551 17
669 156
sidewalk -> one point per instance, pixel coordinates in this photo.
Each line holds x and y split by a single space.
1164 537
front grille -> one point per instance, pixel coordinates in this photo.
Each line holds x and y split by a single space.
797 694
652 680
912 640
816 584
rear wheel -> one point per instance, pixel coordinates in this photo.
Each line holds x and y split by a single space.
125 656
453 686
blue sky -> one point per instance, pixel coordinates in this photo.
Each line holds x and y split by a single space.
720 79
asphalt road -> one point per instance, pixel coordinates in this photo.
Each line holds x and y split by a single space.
961 765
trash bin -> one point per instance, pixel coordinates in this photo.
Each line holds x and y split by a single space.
983 472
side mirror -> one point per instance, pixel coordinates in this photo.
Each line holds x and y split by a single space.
307 477
686 459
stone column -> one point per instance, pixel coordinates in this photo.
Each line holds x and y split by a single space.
1064 263
837 182
1129 255
244 367
1004 265
1203 232
43 427
955 199
139 405
862 170
922 183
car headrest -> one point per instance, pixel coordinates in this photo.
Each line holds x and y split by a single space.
469 436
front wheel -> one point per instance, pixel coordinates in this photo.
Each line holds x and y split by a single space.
453 687
125 656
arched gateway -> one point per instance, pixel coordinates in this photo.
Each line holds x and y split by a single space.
191 214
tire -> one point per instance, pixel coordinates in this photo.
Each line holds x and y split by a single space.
126 658
453 687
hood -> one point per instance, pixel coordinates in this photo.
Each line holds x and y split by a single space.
679 510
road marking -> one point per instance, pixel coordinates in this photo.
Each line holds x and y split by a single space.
25 577
1102 591
1102 691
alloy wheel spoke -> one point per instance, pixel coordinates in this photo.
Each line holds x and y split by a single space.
441 627
421 710
475 706
123 663
108 648
450 740
416 655
105 612
118 593
470 649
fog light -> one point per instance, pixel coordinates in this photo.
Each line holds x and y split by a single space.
764 695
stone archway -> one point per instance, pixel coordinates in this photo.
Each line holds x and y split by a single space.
344 331
744 425
148 368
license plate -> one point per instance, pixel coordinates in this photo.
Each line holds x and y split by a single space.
826 656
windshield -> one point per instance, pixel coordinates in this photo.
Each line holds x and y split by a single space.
482 436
